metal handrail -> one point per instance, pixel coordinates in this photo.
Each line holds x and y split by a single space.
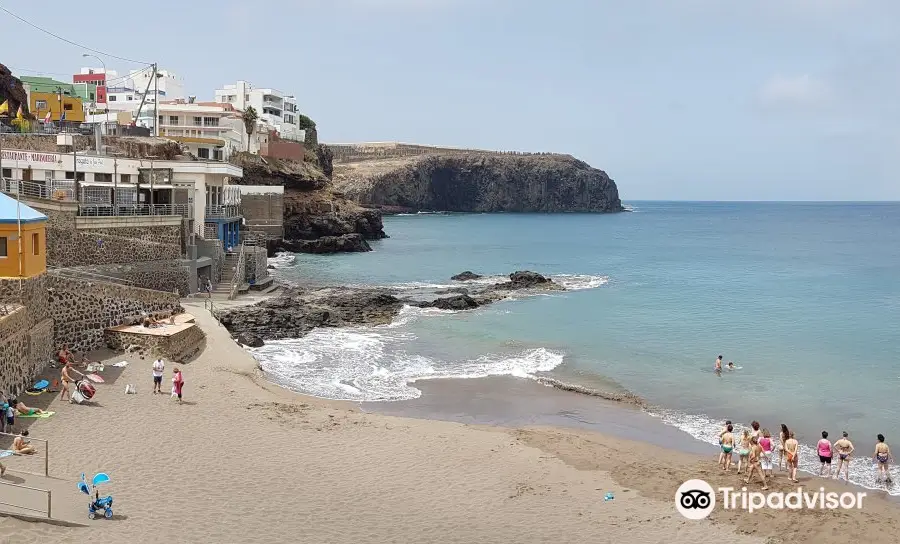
108 210
59 190
46 454
83 274
223 212
239 272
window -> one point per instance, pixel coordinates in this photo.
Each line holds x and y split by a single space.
112 98
198 121
203 152
210 121
48 175
125 178
35 244
103 177
2 247
91 95
40 104
217 154
128 97
71 175
246 98
67 107
173 119
7 173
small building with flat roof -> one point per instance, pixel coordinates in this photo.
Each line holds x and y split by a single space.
25 227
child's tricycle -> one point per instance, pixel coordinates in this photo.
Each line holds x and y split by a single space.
97 503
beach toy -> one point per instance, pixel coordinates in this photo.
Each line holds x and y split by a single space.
43 384
97 503
608 497
94 378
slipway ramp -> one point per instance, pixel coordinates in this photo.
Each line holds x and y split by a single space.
42 498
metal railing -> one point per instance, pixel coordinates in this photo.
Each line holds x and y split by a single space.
54 127
223 212
60 190
239 273
74 273
108 210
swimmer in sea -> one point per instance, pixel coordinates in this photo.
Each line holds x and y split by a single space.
744 451
731 365
727 447
721 434
792 454
756 453
882 458
844 448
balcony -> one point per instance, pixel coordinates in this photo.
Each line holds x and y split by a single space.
223 212
108 210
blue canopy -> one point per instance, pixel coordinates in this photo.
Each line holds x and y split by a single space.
100 478
8 212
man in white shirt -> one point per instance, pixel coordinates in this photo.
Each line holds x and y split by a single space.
158 367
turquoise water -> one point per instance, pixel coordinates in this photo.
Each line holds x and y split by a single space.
804 297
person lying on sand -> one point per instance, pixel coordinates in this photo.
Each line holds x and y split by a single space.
20 446
727 447
25 410
844 448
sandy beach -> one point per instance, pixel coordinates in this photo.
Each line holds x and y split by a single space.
243 460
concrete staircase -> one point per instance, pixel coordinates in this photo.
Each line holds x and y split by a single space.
223 288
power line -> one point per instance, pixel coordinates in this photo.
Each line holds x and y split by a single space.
45 31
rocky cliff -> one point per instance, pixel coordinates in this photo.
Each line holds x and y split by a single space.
479 182
11 90
317 217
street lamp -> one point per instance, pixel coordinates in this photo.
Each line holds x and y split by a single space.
105 80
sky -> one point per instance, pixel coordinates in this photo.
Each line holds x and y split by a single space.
674 99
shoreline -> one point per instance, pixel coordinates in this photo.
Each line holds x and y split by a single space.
336 474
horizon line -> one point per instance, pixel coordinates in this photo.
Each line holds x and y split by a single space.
766 201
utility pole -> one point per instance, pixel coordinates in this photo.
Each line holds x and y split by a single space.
105 80
155 106
152 175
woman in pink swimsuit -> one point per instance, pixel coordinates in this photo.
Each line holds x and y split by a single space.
766 444
824 448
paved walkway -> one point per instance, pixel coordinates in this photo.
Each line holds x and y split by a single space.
67 504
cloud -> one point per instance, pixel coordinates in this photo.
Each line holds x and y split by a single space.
795 92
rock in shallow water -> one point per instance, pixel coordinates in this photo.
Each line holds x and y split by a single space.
250 340
327 244
468 275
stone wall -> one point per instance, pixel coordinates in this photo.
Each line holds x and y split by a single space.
83 309
80 241
256 260
180 347
172 276
264 213
26 334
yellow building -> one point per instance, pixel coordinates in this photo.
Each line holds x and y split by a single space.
20 224
42 102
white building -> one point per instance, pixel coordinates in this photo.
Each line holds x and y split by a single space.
275 108
206 129
124 93
170 85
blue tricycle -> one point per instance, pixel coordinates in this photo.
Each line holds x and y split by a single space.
97 503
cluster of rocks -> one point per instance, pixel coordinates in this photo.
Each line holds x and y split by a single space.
300 310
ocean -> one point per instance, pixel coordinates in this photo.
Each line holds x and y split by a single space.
803 297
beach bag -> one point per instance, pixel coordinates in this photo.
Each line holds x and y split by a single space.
174 394
130 389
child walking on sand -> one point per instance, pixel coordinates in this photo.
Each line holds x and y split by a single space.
744 451
177 382
754 460
727 447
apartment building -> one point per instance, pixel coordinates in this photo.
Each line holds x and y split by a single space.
201 127
275 108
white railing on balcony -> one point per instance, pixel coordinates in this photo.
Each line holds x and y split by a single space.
223 212
108 210
61 190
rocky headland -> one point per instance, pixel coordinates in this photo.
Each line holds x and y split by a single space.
300 310
458 181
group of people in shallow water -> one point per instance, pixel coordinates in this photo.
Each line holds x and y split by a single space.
756 452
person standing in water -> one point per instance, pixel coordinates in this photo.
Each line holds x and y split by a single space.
825 454
782 438
883 458
765 444
754 462
792 454
718 367
844 448
727 447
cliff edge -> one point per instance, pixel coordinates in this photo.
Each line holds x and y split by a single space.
478 182
317 217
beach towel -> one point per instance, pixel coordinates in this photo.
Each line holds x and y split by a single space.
38 416
121 364
6 453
